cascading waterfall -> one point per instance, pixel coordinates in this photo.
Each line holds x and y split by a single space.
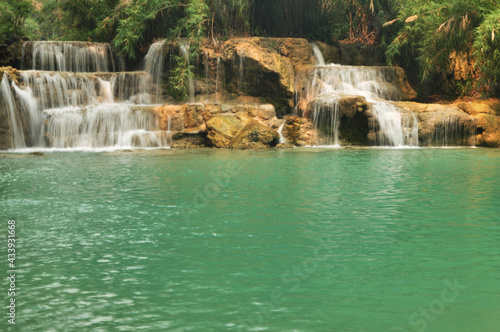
318 56
332 82
453 131
59 109
327 120
28 107
72 56
104 125
154 66
395 128
15 127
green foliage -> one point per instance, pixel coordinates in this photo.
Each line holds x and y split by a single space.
487 52
430 31
229 17
13 15
130 20
193 27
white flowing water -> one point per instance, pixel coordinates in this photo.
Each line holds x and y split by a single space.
453 131
327 120
395 128
105 91
81 110
154 67
282 138
318 56
241 73
169 132
104 125
72 56
332 82
217 80
28 106
15 126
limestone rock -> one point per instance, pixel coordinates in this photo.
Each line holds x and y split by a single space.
223 129
299 131
255 136
406 92
331 53
436 120
12 73
190 140
488 130
265 72
487 114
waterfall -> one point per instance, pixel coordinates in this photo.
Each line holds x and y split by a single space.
241 72
327 121
56 90
453 131
154 67
102 126
91 109
169 132
282 138
15 127
185 52
132 87
318 56
28 107
217 80
72 56
396 128
377 84
105 91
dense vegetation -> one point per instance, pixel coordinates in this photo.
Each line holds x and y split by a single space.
430 31
418 34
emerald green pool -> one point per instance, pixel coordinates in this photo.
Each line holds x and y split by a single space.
278 240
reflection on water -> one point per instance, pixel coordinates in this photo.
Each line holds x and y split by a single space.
155 240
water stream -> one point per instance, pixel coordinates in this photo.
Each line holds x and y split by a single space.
70 100
333 82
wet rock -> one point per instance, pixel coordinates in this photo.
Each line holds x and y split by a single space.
299 131
265 72
12 74
406 91
255 136
223 129
331 53
190 140
487 115
441 124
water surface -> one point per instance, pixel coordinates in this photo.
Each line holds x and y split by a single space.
279 240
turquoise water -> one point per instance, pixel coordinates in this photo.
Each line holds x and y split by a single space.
279 240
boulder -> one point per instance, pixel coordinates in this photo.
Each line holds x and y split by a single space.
223 129
406 91
487 115
254 66
299 131
255 136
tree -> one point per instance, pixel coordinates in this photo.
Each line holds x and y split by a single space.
430 31
13 16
